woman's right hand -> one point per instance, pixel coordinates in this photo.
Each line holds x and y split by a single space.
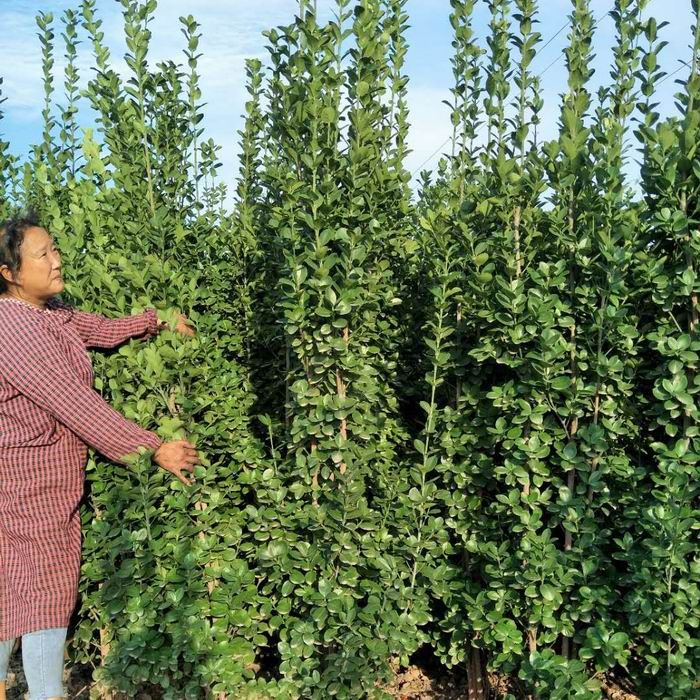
177 456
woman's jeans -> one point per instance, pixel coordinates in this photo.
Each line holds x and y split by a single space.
42 660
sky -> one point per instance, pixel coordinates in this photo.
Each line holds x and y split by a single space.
232 31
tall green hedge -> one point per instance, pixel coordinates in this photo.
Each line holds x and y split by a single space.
461 420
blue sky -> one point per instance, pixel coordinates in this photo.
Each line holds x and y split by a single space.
232 32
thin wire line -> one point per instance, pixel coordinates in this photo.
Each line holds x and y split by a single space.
596 22
554 62
551 39
678 70
558 58
432 155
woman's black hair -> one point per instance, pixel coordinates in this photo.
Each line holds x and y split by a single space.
11 236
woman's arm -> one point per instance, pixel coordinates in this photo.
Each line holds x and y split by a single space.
32 361
98 331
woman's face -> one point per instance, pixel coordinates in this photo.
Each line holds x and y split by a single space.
39 275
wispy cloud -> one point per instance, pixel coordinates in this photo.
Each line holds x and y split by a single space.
232 31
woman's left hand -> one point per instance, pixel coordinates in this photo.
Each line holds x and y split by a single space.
183 325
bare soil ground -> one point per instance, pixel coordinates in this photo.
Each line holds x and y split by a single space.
415 684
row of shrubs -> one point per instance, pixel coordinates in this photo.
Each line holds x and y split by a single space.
462 419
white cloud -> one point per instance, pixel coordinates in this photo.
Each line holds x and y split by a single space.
232 31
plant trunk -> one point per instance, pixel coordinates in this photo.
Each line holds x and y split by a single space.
477 684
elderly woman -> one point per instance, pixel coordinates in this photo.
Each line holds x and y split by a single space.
49 415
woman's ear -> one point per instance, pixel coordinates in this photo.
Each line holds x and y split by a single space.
6 274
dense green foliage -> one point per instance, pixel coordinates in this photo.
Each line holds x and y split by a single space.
465 421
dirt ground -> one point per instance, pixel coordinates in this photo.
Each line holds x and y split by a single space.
413 683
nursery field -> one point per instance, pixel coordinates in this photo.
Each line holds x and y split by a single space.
449 431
